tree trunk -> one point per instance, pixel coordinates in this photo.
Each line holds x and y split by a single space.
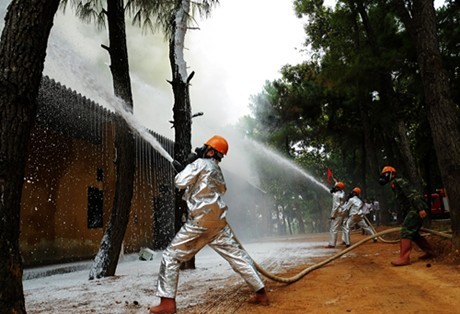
182 112
369 146
443 115
105 263
410 164
22 56
388 97
300 219
280 216
324 214
163 225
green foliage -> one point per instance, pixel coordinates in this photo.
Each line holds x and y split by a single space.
362 78
88 11
449 36
158 15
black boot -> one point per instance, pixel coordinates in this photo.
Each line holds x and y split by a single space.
425 246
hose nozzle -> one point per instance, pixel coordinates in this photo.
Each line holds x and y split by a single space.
177 166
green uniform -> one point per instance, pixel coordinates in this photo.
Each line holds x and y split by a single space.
411 203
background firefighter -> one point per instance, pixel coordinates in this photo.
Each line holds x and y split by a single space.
414 209
337 215
206 225
355 215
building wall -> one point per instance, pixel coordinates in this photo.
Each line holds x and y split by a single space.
54 205
72 139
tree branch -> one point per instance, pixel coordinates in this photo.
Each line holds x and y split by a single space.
105 47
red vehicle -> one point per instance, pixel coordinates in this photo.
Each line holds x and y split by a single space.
439 204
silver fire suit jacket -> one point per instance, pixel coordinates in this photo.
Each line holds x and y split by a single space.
354 206
204 186
337 202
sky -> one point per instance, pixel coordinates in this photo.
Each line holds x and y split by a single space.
233 53
240 46
132 289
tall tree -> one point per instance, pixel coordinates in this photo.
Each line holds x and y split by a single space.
389 98
106 260
419 17
22 55
182 110
174 16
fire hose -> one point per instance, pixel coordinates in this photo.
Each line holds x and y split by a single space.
307 270
379 237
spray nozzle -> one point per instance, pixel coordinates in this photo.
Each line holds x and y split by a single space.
177 166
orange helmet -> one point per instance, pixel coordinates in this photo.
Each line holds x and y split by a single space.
357 190
388 169
340 185
218 143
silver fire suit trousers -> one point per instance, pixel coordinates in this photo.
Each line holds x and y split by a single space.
351 222
190 239
336 223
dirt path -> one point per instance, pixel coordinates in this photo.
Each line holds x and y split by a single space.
362 281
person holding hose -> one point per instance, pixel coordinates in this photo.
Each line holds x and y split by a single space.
355 215
337 215
414 209
204 187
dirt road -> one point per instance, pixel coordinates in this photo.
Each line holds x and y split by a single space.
362 281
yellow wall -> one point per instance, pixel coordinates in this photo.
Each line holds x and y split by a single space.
55 198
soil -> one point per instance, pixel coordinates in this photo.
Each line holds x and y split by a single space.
361 281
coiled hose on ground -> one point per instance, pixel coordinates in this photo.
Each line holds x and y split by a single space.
307 270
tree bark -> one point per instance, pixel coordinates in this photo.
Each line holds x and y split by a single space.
182 112
22 55
443 115
106 261
299 217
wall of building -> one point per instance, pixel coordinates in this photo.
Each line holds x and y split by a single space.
71 150
54 205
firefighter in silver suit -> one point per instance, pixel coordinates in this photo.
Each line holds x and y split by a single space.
355 215
337 214
204 187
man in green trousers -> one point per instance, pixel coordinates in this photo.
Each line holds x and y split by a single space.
414 209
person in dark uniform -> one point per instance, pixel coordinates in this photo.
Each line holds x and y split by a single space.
414 210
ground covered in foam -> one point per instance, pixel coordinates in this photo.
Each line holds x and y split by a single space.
361 281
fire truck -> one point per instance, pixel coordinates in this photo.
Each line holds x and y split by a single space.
439 204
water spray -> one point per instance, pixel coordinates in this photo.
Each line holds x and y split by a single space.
288 163
136 126
62 52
